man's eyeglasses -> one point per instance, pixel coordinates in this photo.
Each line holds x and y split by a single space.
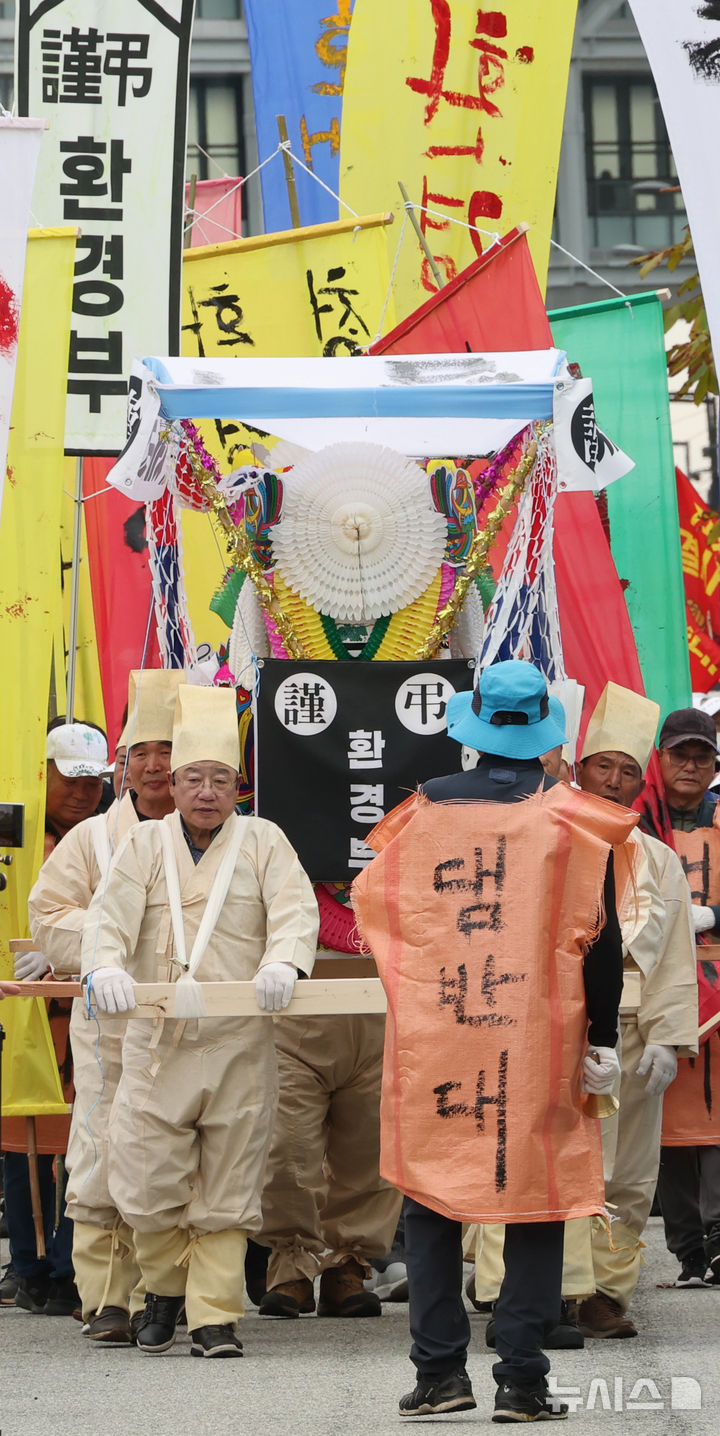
686 760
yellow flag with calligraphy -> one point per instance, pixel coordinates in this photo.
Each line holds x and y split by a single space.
320 290
29 601
465 106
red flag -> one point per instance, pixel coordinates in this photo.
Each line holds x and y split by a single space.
494 304
121 589
701 577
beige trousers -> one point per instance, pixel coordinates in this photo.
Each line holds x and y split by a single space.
207 1268
191 1126
97 1063
106 1268
324 1199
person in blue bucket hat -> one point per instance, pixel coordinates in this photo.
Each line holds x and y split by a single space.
508 714
511 720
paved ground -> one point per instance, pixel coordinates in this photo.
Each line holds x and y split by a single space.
335 1378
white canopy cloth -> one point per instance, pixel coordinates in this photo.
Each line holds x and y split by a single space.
421 405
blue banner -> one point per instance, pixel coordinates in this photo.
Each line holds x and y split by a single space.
298 54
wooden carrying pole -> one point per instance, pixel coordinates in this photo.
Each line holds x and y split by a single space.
289 172
239 999
35 1199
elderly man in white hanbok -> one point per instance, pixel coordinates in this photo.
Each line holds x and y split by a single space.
209 894
106 1271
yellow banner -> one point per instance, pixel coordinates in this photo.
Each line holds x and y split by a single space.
470 121
29 601
313 291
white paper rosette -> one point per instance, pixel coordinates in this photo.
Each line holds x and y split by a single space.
358 537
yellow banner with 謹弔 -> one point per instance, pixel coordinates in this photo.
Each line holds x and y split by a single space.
319 290
30 600
469 118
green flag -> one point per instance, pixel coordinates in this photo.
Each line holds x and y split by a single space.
619 344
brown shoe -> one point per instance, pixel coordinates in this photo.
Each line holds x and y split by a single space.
342 1292
110 1327
601 1316
289 1298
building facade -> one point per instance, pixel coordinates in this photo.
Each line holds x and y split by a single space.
617 195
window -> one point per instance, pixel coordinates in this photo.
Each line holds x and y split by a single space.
218 9
215 127
629 165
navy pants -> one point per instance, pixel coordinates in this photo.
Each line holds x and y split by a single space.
529 1298
21 1231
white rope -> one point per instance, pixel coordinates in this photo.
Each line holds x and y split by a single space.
594 272
286 147
208 156
239 185
391 281
495 236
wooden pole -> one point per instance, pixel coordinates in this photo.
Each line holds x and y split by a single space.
35 1198
423 242
289 172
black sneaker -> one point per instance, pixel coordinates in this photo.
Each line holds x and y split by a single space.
485 1307
32 1294
63 1298
527 1403
694 1267
156 1327
215 1341
434 1394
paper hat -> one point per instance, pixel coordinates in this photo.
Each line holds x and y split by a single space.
509 713
622 722
78 751
151 706
205 728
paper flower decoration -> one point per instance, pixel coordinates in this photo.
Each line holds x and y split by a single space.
358 537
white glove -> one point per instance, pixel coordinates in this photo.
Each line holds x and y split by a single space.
661 1062
274 985
113 989
600 1076
703 918
29 966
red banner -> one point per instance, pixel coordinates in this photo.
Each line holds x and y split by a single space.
121 589
216 214
701 577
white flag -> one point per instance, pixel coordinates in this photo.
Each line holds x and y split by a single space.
682 43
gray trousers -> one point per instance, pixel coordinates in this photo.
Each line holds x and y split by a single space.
689 1195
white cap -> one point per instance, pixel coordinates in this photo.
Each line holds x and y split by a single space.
78 751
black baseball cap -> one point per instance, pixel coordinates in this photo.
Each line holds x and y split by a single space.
688 725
